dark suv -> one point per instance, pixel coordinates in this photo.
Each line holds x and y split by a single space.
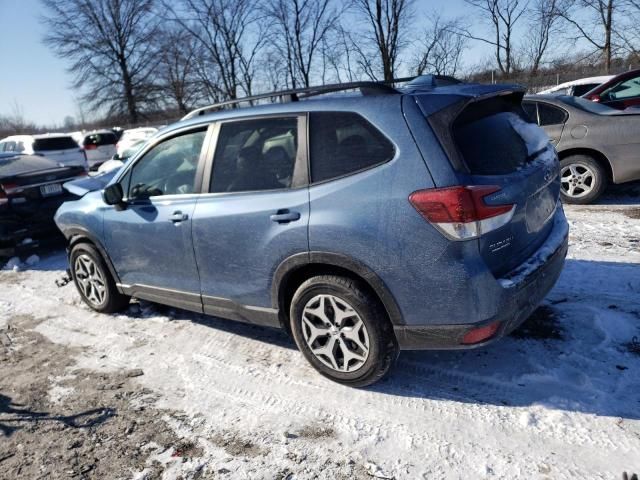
365 223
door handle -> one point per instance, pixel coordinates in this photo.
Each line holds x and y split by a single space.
285 216
178 217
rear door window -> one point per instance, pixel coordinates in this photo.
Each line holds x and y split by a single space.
54 143
531 110
255 155
342 143
550 115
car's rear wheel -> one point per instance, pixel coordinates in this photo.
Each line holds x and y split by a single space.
93 280
582 179
342 330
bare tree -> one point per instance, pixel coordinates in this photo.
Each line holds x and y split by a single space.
441 47
177 71
595 22
229 33
299 31
341 56
109 44
388 24
502 17
627 33
544 16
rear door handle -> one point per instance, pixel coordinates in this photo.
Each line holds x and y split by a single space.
285 216
178 217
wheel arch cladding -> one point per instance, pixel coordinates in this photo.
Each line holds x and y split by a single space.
293 271
80 235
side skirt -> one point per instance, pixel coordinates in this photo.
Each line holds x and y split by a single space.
215 306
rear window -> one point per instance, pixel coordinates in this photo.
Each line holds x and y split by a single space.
342 143
490 136
100 139
550 115
54 143
579 90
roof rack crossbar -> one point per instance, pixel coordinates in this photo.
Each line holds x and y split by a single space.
293 95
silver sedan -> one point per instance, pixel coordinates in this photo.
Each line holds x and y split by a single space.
596 144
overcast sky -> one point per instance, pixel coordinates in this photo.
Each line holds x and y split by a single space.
35 81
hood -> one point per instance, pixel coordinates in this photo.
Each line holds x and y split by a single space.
89 184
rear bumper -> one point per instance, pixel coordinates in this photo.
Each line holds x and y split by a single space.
522 291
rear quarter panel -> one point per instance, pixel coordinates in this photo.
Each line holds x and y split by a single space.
367 217
617 137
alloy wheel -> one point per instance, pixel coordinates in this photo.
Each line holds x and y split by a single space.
90 279
335 333
577 180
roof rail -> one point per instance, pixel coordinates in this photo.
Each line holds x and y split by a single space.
293 95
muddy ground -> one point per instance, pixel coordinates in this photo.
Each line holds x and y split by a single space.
57 421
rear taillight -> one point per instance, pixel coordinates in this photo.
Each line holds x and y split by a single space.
90 147
461 213
5 190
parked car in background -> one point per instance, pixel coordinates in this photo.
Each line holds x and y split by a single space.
30 193
414 218
132 136
578 87
596 144
620 92
98 145
118 160
60 148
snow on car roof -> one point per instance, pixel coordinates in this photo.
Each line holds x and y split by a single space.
581 81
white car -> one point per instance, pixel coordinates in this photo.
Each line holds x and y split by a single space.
134 135
59 147
577 88
98 145
118 159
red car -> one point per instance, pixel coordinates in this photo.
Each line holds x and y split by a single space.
621 92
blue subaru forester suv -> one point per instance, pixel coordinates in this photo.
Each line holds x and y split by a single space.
364 223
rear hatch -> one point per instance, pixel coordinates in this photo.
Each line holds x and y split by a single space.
491 141
99 147
62 150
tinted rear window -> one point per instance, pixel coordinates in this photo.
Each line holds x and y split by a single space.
580 90
100 139
54 143
485 134
550 115
342 143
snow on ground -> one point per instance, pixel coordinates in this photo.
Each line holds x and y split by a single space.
559 399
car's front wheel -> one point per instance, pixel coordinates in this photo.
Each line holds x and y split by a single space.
342 330
93 280
582 179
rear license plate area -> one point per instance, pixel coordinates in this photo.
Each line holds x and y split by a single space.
540 208
51 190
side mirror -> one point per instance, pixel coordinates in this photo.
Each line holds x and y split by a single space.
116 156
112 195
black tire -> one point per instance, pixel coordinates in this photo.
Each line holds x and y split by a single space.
112 301
582 163
383 348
